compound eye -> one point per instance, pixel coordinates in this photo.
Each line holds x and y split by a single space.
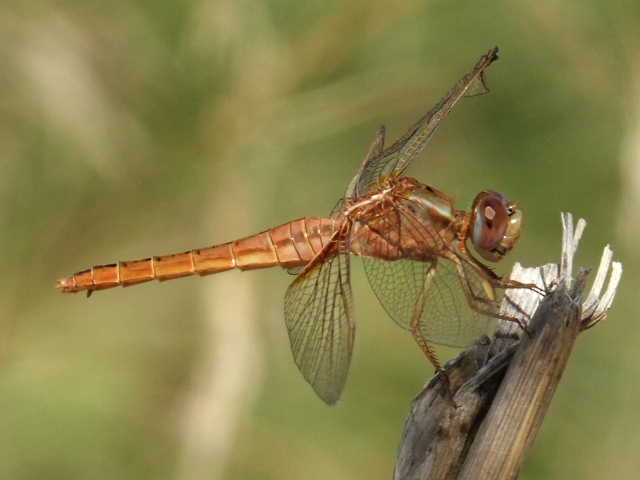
491 220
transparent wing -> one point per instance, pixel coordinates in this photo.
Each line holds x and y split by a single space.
395 159
447 317
318 312
375 149
397 285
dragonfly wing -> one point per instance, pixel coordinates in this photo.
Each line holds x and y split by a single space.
398 286
448 318
319 317
375 149
434 291
395 159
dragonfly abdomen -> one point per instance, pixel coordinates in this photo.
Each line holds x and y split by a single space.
289 245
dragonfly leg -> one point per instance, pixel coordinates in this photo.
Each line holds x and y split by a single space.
483 306
426 349
414 328
517 320
490 306
507 283
494 279
425 346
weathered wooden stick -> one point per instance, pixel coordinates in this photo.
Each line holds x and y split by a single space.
482 421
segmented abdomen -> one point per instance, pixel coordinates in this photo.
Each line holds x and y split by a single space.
290 245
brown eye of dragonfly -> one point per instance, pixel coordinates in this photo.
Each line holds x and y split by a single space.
496 225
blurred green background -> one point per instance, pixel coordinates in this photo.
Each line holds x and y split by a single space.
129 129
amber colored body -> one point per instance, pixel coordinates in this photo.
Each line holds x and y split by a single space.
296 243
290 245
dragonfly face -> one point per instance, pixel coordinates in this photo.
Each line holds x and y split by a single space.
496 225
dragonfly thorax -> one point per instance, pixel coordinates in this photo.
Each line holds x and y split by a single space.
430 204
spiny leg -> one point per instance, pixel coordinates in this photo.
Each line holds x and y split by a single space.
426 348
489 306
414 325
507 283
424 344
495 279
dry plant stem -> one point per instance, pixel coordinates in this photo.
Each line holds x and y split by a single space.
485 434
437 430
518 410
488 429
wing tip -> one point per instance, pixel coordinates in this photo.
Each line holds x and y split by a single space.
330 398
490 57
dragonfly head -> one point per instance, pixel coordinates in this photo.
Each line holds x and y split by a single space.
496 224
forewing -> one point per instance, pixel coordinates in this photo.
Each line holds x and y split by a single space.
395 159
375 149
319 317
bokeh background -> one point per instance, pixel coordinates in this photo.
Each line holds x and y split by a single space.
134 128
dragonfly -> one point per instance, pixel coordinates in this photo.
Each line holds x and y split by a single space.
413 243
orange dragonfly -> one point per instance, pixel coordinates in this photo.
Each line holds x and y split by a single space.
412 241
